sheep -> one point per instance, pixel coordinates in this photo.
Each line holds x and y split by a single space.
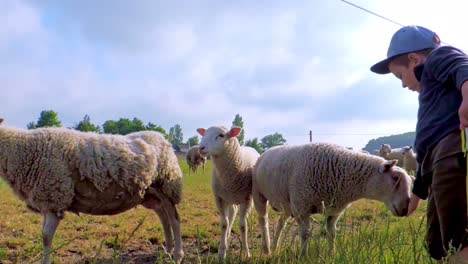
300 180
58 170
409 159
194 158
231 180
386 152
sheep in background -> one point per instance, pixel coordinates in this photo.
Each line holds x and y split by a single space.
322 178
386 152
57 170
194 158
409 159
231 180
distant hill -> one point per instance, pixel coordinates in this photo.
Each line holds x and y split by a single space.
395 141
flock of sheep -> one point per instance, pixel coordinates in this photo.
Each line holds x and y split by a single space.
56 170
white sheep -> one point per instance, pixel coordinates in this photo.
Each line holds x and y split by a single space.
323 178
57 170
386 152
194 158
231 180
409 159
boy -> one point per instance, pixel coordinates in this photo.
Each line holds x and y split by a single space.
440 75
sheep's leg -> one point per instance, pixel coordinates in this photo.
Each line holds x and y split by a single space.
244 212
155 204
174 221
49 226
280 225
260 204
304 225
331 230
232 217
167 229
222 209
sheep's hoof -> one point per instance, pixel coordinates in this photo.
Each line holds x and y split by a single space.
179 256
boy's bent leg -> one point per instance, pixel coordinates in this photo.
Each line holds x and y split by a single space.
449 193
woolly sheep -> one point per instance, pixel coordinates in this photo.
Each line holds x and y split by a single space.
194 158
322 178
231 180
57 170
409 159
386 152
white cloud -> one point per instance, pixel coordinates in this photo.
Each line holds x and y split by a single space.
198 64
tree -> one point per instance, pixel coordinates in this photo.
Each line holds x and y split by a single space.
123 126
395 141
47 119
110 127
175 135
272 140
31 125
253 143
85 125
138 125
154 127
238 122
193 141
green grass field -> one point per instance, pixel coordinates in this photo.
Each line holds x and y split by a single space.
368 233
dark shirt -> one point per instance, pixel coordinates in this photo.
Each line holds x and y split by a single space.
441 78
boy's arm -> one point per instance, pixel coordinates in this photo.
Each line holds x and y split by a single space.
463 110
420 191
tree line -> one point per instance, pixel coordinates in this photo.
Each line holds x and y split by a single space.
395 141
124 126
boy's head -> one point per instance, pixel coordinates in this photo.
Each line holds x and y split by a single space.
408 48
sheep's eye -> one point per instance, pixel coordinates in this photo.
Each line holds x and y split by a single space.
221 135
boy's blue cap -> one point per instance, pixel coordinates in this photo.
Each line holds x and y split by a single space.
405 40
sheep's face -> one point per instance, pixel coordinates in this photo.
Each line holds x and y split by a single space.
395 188
408 150
215 139
385 148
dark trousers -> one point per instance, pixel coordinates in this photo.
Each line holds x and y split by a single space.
445 166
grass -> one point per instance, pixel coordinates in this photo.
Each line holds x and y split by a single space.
368 233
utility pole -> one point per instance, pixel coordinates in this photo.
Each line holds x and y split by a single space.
310 135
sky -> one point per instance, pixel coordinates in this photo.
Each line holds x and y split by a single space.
284 66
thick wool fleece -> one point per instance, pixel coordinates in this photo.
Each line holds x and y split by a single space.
57 170
310 174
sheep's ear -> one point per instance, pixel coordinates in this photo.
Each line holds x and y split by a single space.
1 121
234 132
201 131
387 166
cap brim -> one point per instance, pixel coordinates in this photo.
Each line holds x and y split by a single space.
381 67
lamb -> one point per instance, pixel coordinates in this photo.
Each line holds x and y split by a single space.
386 152
57 170
194 158
231 180
409 159
323 178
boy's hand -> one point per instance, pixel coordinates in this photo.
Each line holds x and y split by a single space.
413 204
